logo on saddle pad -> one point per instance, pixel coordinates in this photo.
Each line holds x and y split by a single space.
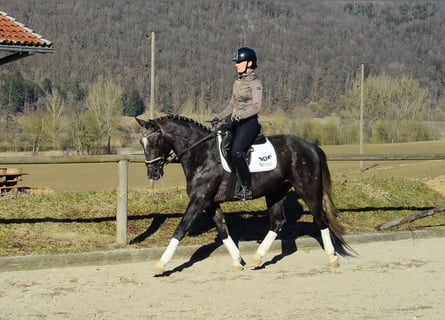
262 157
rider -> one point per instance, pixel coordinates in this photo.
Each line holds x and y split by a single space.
241 116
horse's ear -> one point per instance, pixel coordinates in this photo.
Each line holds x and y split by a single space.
141 122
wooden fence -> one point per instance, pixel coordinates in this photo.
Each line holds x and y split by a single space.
122 197
124 159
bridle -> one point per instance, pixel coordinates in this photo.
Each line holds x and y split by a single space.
165 158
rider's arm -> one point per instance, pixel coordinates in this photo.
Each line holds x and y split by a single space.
227 111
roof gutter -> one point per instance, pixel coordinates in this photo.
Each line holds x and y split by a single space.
21 52
31 49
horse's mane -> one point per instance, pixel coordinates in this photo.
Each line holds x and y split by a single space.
183 118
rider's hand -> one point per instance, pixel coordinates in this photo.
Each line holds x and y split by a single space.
215 121
231 122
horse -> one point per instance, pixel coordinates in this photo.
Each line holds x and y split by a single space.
300 164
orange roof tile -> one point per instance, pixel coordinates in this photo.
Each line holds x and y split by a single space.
15 33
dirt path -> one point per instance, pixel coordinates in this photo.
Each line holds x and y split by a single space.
395 280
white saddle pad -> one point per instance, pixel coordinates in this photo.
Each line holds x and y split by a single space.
262 158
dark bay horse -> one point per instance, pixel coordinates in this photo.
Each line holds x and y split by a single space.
301 165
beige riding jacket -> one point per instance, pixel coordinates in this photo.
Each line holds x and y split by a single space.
246 98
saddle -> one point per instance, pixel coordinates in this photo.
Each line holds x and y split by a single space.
260 157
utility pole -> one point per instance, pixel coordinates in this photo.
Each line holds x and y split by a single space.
152 86
361 113
152 77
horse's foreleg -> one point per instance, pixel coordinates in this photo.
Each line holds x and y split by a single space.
159 268
221 226
181 230
329 247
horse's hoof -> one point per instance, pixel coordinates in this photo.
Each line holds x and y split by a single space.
158 269
333 261
256 262
237 267
238 264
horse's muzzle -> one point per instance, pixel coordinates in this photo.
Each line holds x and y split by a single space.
154 174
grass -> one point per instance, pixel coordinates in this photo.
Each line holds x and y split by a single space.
69 222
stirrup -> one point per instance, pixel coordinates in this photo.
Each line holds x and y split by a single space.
243 194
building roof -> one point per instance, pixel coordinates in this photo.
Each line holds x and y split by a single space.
22 41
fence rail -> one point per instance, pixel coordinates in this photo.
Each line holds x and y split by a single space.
123 159
73 159
385 157
140 158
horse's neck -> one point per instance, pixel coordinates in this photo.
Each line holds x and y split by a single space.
185 136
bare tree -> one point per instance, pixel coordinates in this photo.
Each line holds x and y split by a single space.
104 102
36 128
390 104
389 98
55 107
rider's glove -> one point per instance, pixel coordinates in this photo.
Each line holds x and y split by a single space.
215 121
232 122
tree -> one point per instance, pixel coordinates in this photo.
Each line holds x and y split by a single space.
104 101
308 51
83 132
19 94
36 128
132 102
54 108
12 98
47 86
389 103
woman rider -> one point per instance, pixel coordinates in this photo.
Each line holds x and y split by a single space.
241 116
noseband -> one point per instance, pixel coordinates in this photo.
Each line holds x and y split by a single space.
162 159
153 161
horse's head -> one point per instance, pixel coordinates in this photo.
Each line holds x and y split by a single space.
157 148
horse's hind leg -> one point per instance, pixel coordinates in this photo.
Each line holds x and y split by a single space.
277 219
221 226
329 247
316 208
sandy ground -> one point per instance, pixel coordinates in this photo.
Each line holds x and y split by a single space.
397 280
437 183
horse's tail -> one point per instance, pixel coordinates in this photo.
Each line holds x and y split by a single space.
329 207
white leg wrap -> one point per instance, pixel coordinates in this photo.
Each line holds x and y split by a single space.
170 251
233 249
327 241
267 242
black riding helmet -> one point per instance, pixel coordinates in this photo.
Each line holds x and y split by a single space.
245 54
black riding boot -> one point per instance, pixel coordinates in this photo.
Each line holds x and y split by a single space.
242 172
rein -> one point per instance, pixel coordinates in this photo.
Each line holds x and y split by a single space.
208 137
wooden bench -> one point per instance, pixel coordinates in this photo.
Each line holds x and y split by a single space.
9 178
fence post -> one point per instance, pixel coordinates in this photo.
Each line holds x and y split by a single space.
122 203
